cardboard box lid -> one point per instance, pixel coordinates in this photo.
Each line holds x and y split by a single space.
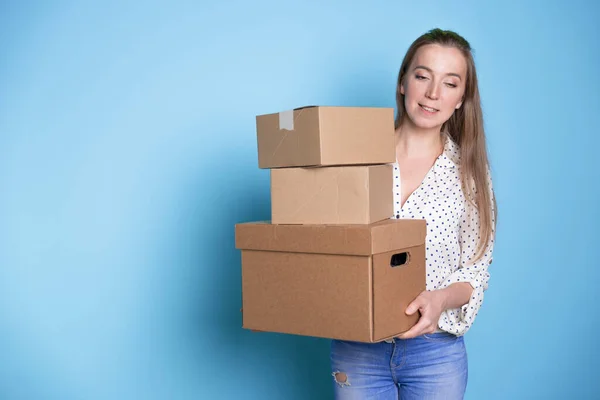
365 240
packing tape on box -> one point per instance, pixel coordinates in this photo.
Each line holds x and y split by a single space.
286 120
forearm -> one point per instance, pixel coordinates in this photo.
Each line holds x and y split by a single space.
456 295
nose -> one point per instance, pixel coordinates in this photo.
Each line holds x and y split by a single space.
432 91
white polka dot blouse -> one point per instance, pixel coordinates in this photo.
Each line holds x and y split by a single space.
452 235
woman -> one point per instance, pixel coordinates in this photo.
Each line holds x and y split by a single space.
441 175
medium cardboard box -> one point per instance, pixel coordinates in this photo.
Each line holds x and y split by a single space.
349 282
323 135
332 195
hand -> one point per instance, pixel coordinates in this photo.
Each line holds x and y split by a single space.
431 304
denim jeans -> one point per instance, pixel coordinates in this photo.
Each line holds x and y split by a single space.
432 366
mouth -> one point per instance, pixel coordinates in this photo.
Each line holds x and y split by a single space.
428 109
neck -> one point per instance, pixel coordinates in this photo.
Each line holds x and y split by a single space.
414 142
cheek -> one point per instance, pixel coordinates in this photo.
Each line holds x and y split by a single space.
412 92
452 99
458 96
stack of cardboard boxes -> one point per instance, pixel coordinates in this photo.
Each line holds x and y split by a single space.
331 262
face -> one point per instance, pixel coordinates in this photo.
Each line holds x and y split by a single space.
434 85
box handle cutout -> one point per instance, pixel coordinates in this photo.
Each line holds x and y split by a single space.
399 259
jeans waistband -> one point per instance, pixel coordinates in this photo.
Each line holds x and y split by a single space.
391 340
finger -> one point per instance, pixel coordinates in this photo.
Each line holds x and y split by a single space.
418 329
415 305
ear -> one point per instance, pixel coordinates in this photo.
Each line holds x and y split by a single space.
460 103
402 88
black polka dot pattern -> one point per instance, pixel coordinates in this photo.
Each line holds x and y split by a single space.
452 235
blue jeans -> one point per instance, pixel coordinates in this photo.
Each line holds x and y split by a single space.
432 366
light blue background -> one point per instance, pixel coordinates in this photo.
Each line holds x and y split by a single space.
128 153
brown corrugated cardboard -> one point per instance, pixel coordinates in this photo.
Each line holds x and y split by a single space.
349 282
324 135
332 195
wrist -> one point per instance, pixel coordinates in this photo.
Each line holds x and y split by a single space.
455 295
444 295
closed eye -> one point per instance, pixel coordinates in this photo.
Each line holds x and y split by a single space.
452 85
420 77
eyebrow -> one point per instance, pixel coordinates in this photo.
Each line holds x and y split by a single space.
431 71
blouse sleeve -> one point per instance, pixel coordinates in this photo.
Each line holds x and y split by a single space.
476 273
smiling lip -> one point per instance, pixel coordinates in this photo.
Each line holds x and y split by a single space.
430 110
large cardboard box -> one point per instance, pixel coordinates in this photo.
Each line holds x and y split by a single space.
332 195
323 135
349 282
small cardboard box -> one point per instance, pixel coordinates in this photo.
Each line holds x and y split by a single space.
321 136
350 282
332 195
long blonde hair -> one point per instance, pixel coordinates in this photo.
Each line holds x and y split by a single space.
465 127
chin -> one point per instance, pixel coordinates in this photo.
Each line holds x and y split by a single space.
426 123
